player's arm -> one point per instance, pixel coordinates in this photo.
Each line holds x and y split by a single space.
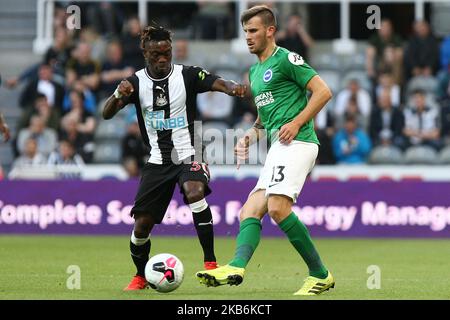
251 136
229 87
118 99
4 128
321 94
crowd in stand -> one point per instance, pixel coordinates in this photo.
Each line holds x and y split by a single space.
407 103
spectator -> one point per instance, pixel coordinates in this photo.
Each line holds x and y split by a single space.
443 89
351 145
46 138
30 155
43 84
325 130
58 55
4 128
65 155
384 37
295 37
386 123
42 108
95 41
182 56
445 53
131 44
181 52
422 122
388 64
386 83
83 143
89 99
81 67
85 120
362 100
422 52
353 109
133 146
445 122
114 69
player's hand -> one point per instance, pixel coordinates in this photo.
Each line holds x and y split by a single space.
288 132
6 134
241 150
125 88
238 90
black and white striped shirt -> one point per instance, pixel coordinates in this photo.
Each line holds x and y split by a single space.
166 110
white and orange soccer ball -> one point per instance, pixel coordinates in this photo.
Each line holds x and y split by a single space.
164 272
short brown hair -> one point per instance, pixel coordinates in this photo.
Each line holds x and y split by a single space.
266 14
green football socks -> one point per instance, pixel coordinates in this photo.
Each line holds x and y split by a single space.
247 241
299 236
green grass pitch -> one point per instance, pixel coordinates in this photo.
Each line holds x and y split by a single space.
34 267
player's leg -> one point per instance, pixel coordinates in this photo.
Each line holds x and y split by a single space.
194 192
249 235
289 175
140 245
193 181
280 209
246 243
152 199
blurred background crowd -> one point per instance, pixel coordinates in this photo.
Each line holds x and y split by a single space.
391 100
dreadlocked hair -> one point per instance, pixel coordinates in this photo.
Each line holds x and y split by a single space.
155 33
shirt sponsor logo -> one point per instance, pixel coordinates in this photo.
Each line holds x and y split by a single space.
267 75
156 121
295 59
264 99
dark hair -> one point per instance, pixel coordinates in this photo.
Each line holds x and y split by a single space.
40 95
155 33
264 12
419 91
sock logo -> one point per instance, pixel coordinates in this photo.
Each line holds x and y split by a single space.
205 223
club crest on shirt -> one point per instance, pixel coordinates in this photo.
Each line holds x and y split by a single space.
267 75
161 100
295 59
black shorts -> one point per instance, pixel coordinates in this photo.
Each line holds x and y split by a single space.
158 184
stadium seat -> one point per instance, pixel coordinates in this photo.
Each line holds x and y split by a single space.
421 155
327 61
386 155
112 129
332 79
355 61
107 153
444 155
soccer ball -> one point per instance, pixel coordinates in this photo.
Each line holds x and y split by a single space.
164 272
